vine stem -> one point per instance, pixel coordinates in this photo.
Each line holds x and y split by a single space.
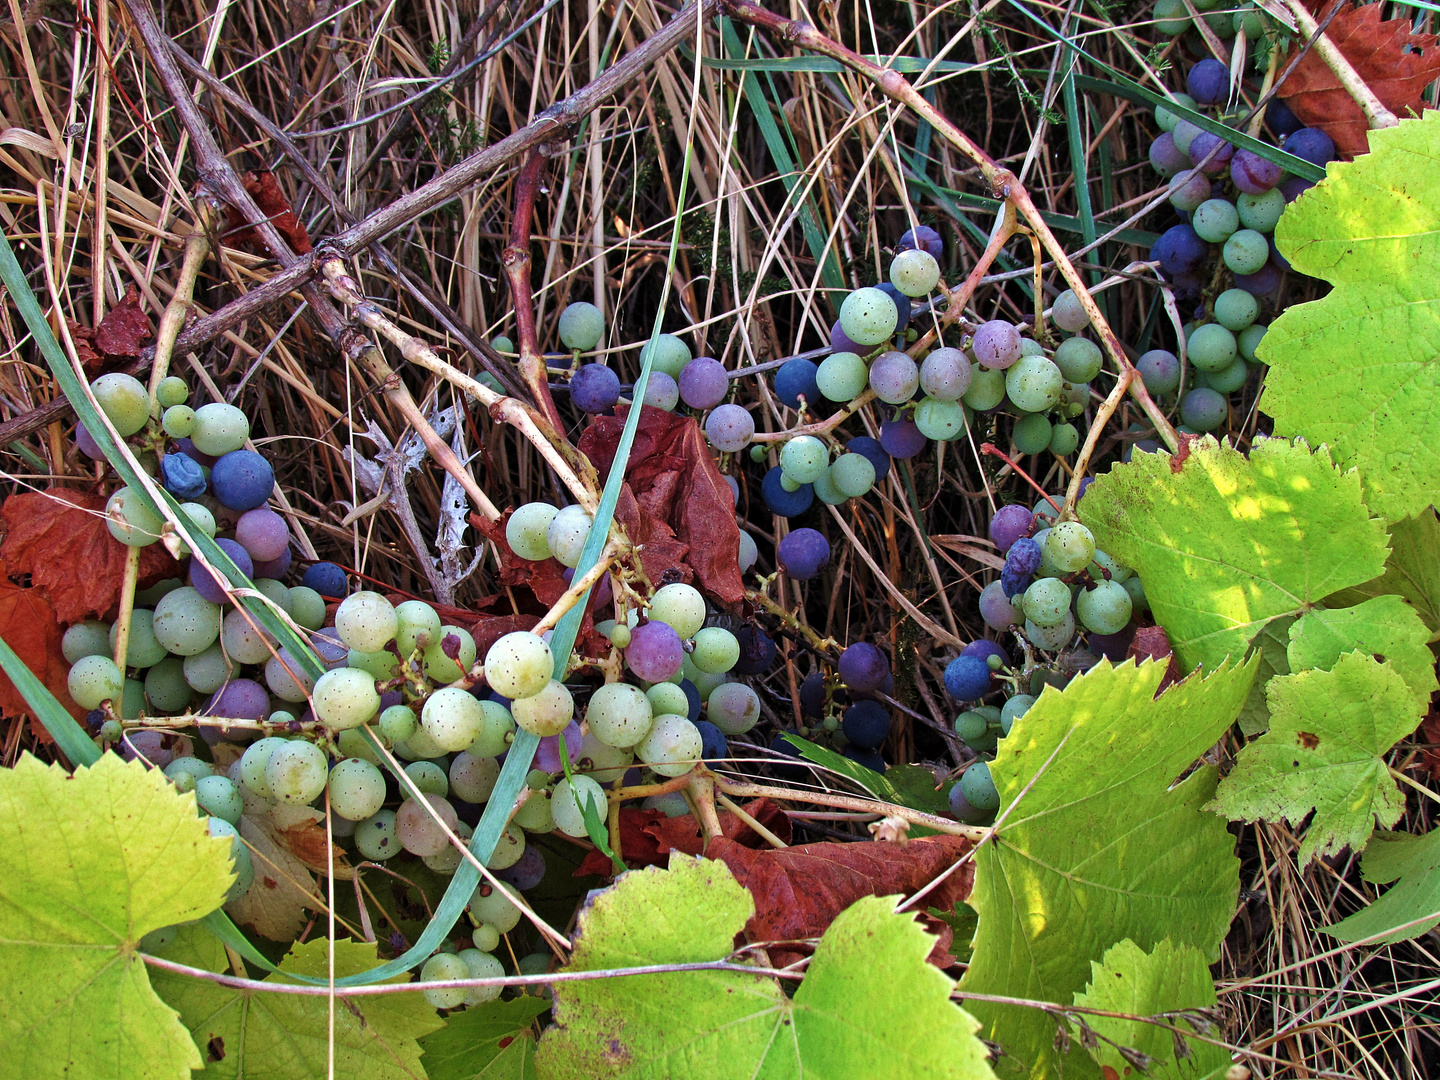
127 606
516 260
850 802
197 246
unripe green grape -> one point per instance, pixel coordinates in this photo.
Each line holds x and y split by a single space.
1079 359
1117 571
1071 546
307 607
1235 309
375 836
185 623
663 698
124 400
437 663
914 272
472 778
1013 709
508 848
1068 313
141 648
826 491
241 640
496 731
1034 384
452 717
1211 347
1104 608
979 787
419 747
527 529
417 626
680 607
1064 440
804 458
366 621
130 521
448 859
547 713
1249 340
1136 589
165 686
567 533
296 772
221 829
1261 212
672 747
940 420
987 387
1246 251
569 798
1032 433
350 743
534 814
1047 598
132 700
345 698
671 354
397 723
502 344
581 326
219 797
604 764
444 967
199 517
275 592
853 474
178 421
717 650
620 637
497 907
172 391
481 965
732 707
868 316
519 665
219 429
1230 379
253 763
428 778
184 772
1054 637
842 376
1165 118
759 452
1215 220
789 483
88 638
1204 409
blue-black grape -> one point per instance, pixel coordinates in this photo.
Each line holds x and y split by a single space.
757 651
866 724
787 504
902 305
327 579
870 448
797 377
871 759
967 678
182 476
1281 120
803 553
812 695
921 238
983 649
242 480
1009 524
693 700
1179 250
1021 562
204 582
863 667
1208 82
1312 145
713 746
594 388
900 438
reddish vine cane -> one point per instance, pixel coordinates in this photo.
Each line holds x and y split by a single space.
1004 185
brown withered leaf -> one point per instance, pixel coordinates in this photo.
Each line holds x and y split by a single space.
123 328
1396 64
1152 643
29 626
799 891
275 905
59 537
273 204
84 339
680 505
647 836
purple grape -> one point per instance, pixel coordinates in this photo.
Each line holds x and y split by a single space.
703 383
547 754
1252 174
863 667
1021 562
327 579
1281 120
866 724
983 649
963 811
240 699
275 568
1312 145
870 759
1295 186
900 438
242 480
1208 82
146 746
812 695
996 608
1179 250
1189 189
921 238
527 871
1277 258
328 647
1009 524
182 476
757 651
797 377
205 583
1084 487
803 554
902 306
840 343
967 678
1165 157
786 504
390 698
187 448
729 428
594 388
1210 153
996 344
692 699
654 652
87 444
713 745
894 377
1261 283
870 448
1159 370
263 533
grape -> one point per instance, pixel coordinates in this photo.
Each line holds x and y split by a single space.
567 800
1252 174
1249 340
499 908
945 374
178 421
1047 598
1021 561
473 777
620 715
748 552
519 664
242 480
979 787
1209 82
527 530
732 707
452 717
803 554
1261 283
594 388
219 429
171 391
1204 409
672 747
547 755
130 521
481 965
1184 134
996 608
124 399
894 377
1235 309
900 438
1064 439
428 778
1079 359
842 376
915 273
567 533
866 724
181 476
921 238
397 723
1165 157
1261 212
93 680
1032 433
1070 546
968 677
1104 608
366 621
1230 379
345 698
545 713
165 686
868 317
325 578
295 772
417 626
88 638
996 344
357 789
729 428
1292 188
782 502
671 355
1009 524
703 383
1159 369
661 391
581 326
1246 251
418 831
262 533
497 728
853 474
1312 145
679 606
1211 347
716 650
1189 189
1034 384
443 967
1179 250
375 836
1215 220
654 653
185 623
286 678
1166 118
863 667
241 640
804 458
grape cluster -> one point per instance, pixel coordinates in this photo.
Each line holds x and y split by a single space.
845 706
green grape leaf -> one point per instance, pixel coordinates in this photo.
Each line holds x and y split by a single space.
1225 543
1105 844
485 1042
1385 627
255 1035
1411 906
89 864
842 1021
1324 752
1168 979
1360 369
1271 645
1412 572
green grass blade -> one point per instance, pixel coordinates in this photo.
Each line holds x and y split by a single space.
68 735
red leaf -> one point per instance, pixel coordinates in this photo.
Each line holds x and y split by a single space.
272 203
123 328
84 338
681 508
1396 64
1430 733
647 836
799 891
1152 643
59 537
29 626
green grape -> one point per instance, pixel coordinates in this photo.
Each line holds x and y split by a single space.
526 531
1064 440
569 797
1068 313
1047 598
1230 379
1070 546
307 607
502 344
286 679
1031 347
547 713
448 859
185 622
444 967
1261 212
221 829
670 352
1104 608
241 640
130 521
497 907
673 745
1034 384
132 700
366 621
716 650
534 814
141 650
171 391
1079 359
1013 709
732 707
88 638
486 937
604 764
428 778
296 772
438 665
1246 251
567 533
219 429
183 772
972 726
1165 119
481 965
1211 347
938 420
124 400
472 777
842 376
1204 409
345 698
581 326
868 316
789 483
680 607
397 723
350 743
1235 309
418 626
1054 637
804 458
1104 561
378 665
209 670
663 698
987 387
452 717
826 491
508 848
759 452
375 836
275 592
519 665
1032 433
853 474
1215 220
253 764
178 421
914 272
1136 589
165 686
620 637
219 797
979 787
496 731
1249 340
198 517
